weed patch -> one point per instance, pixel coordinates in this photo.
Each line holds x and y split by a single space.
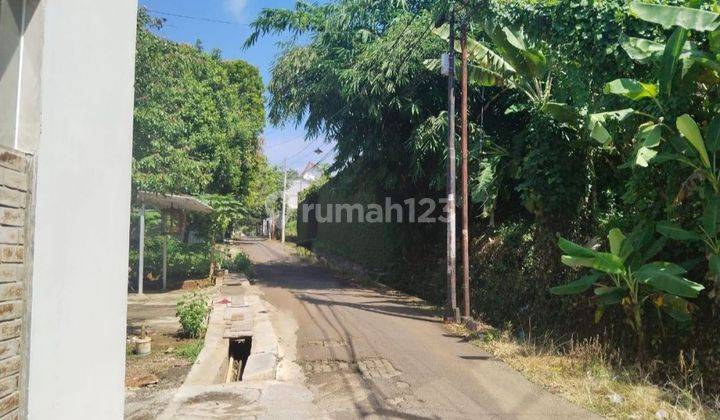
589 374
189 351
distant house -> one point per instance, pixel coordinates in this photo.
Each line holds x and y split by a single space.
310 174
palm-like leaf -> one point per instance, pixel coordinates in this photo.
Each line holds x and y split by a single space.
511 63
683 17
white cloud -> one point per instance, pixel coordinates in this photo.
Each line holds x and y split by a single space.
236 8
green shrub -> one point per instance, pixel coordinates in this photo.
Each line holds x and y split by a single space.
241 264
193 310
184 260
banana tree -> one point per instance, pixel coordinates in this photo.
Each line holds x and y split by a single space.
681 66
624 277
683 71
705 180
508 60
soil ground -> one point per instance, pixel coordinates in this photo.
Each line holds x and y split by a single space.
157 312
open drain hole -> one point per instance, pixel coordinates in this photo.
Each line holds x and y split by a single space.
238 353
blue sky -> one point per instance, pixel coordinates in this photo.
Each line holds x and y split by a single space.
223 24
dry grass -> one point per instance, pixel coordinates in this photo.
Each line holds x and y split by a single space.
589 374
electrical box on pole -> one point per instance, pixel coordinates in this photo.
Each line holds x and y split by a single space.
445 64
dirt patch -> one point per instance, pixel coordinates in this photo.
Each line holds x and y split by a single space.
152 380
163 364
584 373
218 397
196 284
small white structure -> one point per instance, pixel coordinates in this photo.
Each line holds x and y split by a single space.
310 174
163 202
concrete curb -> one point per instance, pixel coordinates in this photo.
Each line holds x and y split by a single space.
208 371
263 361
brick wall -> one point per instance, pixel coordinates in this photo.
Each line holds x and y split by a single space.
16 175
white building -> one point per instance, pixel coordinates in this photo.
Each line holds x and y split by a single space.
66 100
310 174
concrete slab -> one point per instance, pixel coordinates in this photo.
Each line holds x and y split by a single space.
236 334
208 365
259 395
260 400
260 367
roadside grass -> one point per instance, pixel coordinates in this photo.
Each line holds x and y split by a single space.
303 254
589 374
189 350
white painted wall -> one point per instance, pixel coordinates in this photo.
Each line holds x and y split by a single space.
77 347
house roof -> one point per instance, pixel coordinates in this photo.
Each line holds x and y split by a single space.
170 201
311 169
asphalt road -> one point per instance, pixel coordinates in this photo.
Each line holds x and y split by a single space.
376 354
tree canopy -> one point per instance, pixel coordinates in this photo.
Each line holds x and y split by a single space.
587 120
198 118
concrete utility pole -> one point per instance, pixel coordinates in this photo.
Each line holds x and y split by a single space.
453 311
141 250
163 222
464 174
282 222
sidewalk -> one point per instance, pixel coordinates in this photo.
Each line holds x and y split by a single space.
266 392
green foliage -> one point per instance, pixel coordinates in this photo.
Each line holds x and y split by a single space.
227 211
553 170
624 276
267 182
197 130
193 310
361 81
687 18
198 121
241 263
684 72
189 351
197 118
185 261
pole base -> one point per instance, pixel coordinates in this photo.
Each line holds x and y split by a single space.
453 316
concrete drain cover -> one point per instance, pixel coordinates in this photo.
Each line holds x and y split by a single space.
377 368
328 366
374 368
325 343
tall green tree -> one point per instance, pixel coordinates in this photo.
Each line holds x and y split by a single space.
198 118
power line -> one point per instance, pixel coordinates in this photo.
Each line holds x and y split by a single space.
272 146
325 156
402 33
301 157
226 22
200 18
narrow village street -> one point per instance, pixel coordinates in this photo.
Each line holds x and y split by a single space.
365 352
359 209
